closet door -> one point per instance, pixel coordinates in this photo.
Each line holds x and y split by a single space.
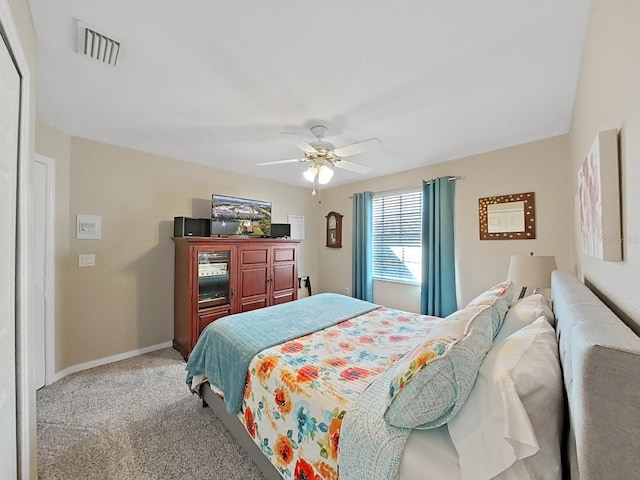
9 114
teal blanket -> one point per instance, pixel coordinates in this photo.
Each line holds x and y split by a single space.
369 446
227 346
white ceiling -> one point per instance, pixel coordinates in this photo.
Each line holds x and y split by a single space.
214 82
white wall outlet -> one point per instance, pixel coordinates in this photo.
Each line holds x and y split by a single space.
87 260
347 291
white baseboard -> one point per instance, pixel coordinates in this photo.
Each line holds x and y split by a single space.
103 361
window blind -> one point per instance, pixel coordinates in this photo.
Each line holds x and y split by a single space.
397 237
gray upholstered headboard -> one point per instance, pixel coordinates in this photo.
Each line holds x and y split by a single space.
600 358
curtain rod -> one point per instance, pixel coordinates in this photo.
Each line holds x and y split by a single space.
451 179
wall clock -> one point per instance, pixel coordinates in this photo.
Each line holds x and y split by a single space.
334 230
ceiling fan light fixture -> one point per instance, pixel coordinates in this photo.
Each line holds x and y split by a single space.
324 174
310 173
323 156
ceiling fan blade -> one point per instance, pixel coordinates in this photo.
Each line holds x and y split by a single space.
359 147
276 162
352 166
300 143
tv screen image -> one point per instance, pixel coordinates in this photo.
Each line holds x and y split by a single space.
240 216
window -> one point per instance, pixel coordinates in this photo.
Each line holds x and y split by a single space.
397 237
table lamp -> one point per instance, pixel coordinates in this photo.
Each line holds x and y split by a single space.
530 271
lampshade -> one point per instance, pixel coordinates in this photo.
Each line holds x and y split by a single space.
324 174
531 271
310 173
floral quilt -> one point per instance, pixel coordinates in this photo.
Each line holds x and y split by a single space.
297 393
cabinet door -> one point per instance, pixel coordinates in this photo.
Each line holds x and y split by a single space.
212 287
284 274
253 285
214 277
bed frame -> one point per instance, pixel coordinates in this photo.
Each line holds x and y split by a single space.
235 426
600 359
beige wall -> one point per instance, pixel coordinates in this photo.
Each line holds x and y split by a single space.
540 167
609 97
125 302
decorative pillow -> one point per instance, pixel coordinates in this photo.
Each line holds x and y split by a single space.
431 383
523 312
501 290
499 297
510 427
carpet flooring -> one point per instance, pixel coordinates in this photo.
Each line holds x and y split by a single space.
134 419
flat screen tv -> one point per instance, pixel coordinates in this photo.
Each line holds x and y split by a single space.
240 216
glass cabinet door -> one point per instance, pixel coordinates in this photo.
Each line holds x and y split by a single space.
213 278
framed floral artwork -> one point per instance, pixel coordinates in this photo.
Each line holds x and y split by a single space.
599 195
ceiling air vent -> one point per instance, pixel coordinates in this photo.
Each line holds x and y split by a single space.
97 45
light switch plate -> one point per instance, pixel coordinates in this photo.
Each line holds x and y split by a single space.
88 227
87 260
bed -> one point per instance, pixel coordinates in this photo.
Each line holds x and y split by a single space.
585 365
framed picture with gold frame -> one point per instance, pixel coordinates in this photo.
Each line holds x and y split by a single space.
508 217
334 230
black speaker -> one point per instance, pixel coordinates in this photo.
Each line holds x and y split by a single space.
280 230
191 227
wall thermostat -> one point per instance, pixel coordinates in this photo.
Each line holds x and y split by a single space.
88 227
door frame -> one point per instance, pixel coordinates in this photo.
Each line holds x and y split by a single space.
50 271
26 395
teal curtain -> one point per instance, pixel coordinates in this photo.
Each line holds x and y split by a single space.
438 296
362 263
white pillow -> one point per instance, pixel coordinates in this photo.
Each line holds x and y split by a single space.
510 426
523 312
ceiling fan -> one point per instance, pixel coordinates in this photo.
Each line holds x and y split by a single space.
323 155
